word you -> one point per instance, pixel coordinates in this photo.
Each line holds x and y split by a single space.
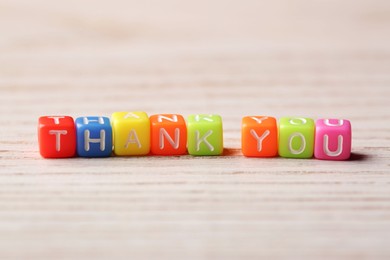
137 134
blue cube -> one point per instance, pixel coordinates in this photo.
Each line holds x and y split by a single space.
94 136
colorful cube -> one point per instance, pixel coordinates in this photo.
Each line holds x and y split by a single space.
168 134
131 133
205 135
333 139
94 136
259 136
56 136
296 137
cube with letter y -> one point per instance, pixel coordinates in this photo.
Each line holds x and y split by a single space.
259 136
94 136
56 137
205 135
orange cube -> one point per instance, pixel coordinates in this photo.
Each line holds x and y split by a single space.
259 136
168 134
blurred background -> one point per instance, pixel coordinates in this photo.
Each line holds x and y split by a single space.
115 55
96 57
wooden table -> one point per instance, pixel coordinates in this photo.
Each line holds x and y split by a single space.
233 58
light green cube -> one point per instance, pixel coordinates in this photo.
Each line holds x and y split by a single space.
296 137
204 135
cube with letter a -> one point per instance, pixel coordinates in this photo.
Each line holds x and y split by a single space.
168 134
56 136
131 133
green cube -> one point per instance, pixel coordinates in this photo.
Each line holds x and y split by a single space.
296 137
204 135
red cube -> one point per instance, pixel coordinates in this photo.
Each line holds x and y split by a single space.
57 136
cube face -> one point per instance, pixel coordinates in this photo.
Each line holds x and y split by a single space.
333 139
296 137
204 135
131 133
56 136
94 136
259 136
168 134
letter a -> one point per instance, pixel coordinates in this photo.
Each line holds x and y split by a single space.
132 138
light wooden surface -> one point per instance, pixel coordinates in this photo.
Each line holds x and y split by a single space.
234 58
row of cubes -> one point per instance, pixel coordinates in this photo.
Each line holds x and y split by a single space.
136 134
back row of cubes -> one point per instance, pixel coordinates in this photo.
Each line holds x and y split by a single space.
135 134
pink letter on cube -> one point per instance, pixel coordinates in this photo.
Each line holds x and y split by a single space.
333 139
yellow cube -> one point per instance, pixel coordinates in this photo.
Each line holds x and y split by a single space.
131 133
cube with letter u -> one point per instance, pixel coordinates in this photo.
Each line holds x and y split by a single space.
94 136
333 139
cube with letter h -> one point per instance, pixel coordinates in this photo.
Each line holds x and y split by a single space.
259 136
333 139
168 134
56 136
131 133
204 135
94 136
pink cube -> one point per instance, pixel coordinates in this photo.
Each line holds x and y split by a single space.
333 139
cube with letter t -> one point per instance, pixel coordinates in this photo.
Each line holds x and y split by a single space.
56 136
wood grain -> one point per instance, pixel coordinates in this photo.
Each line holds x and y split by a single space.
234 58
